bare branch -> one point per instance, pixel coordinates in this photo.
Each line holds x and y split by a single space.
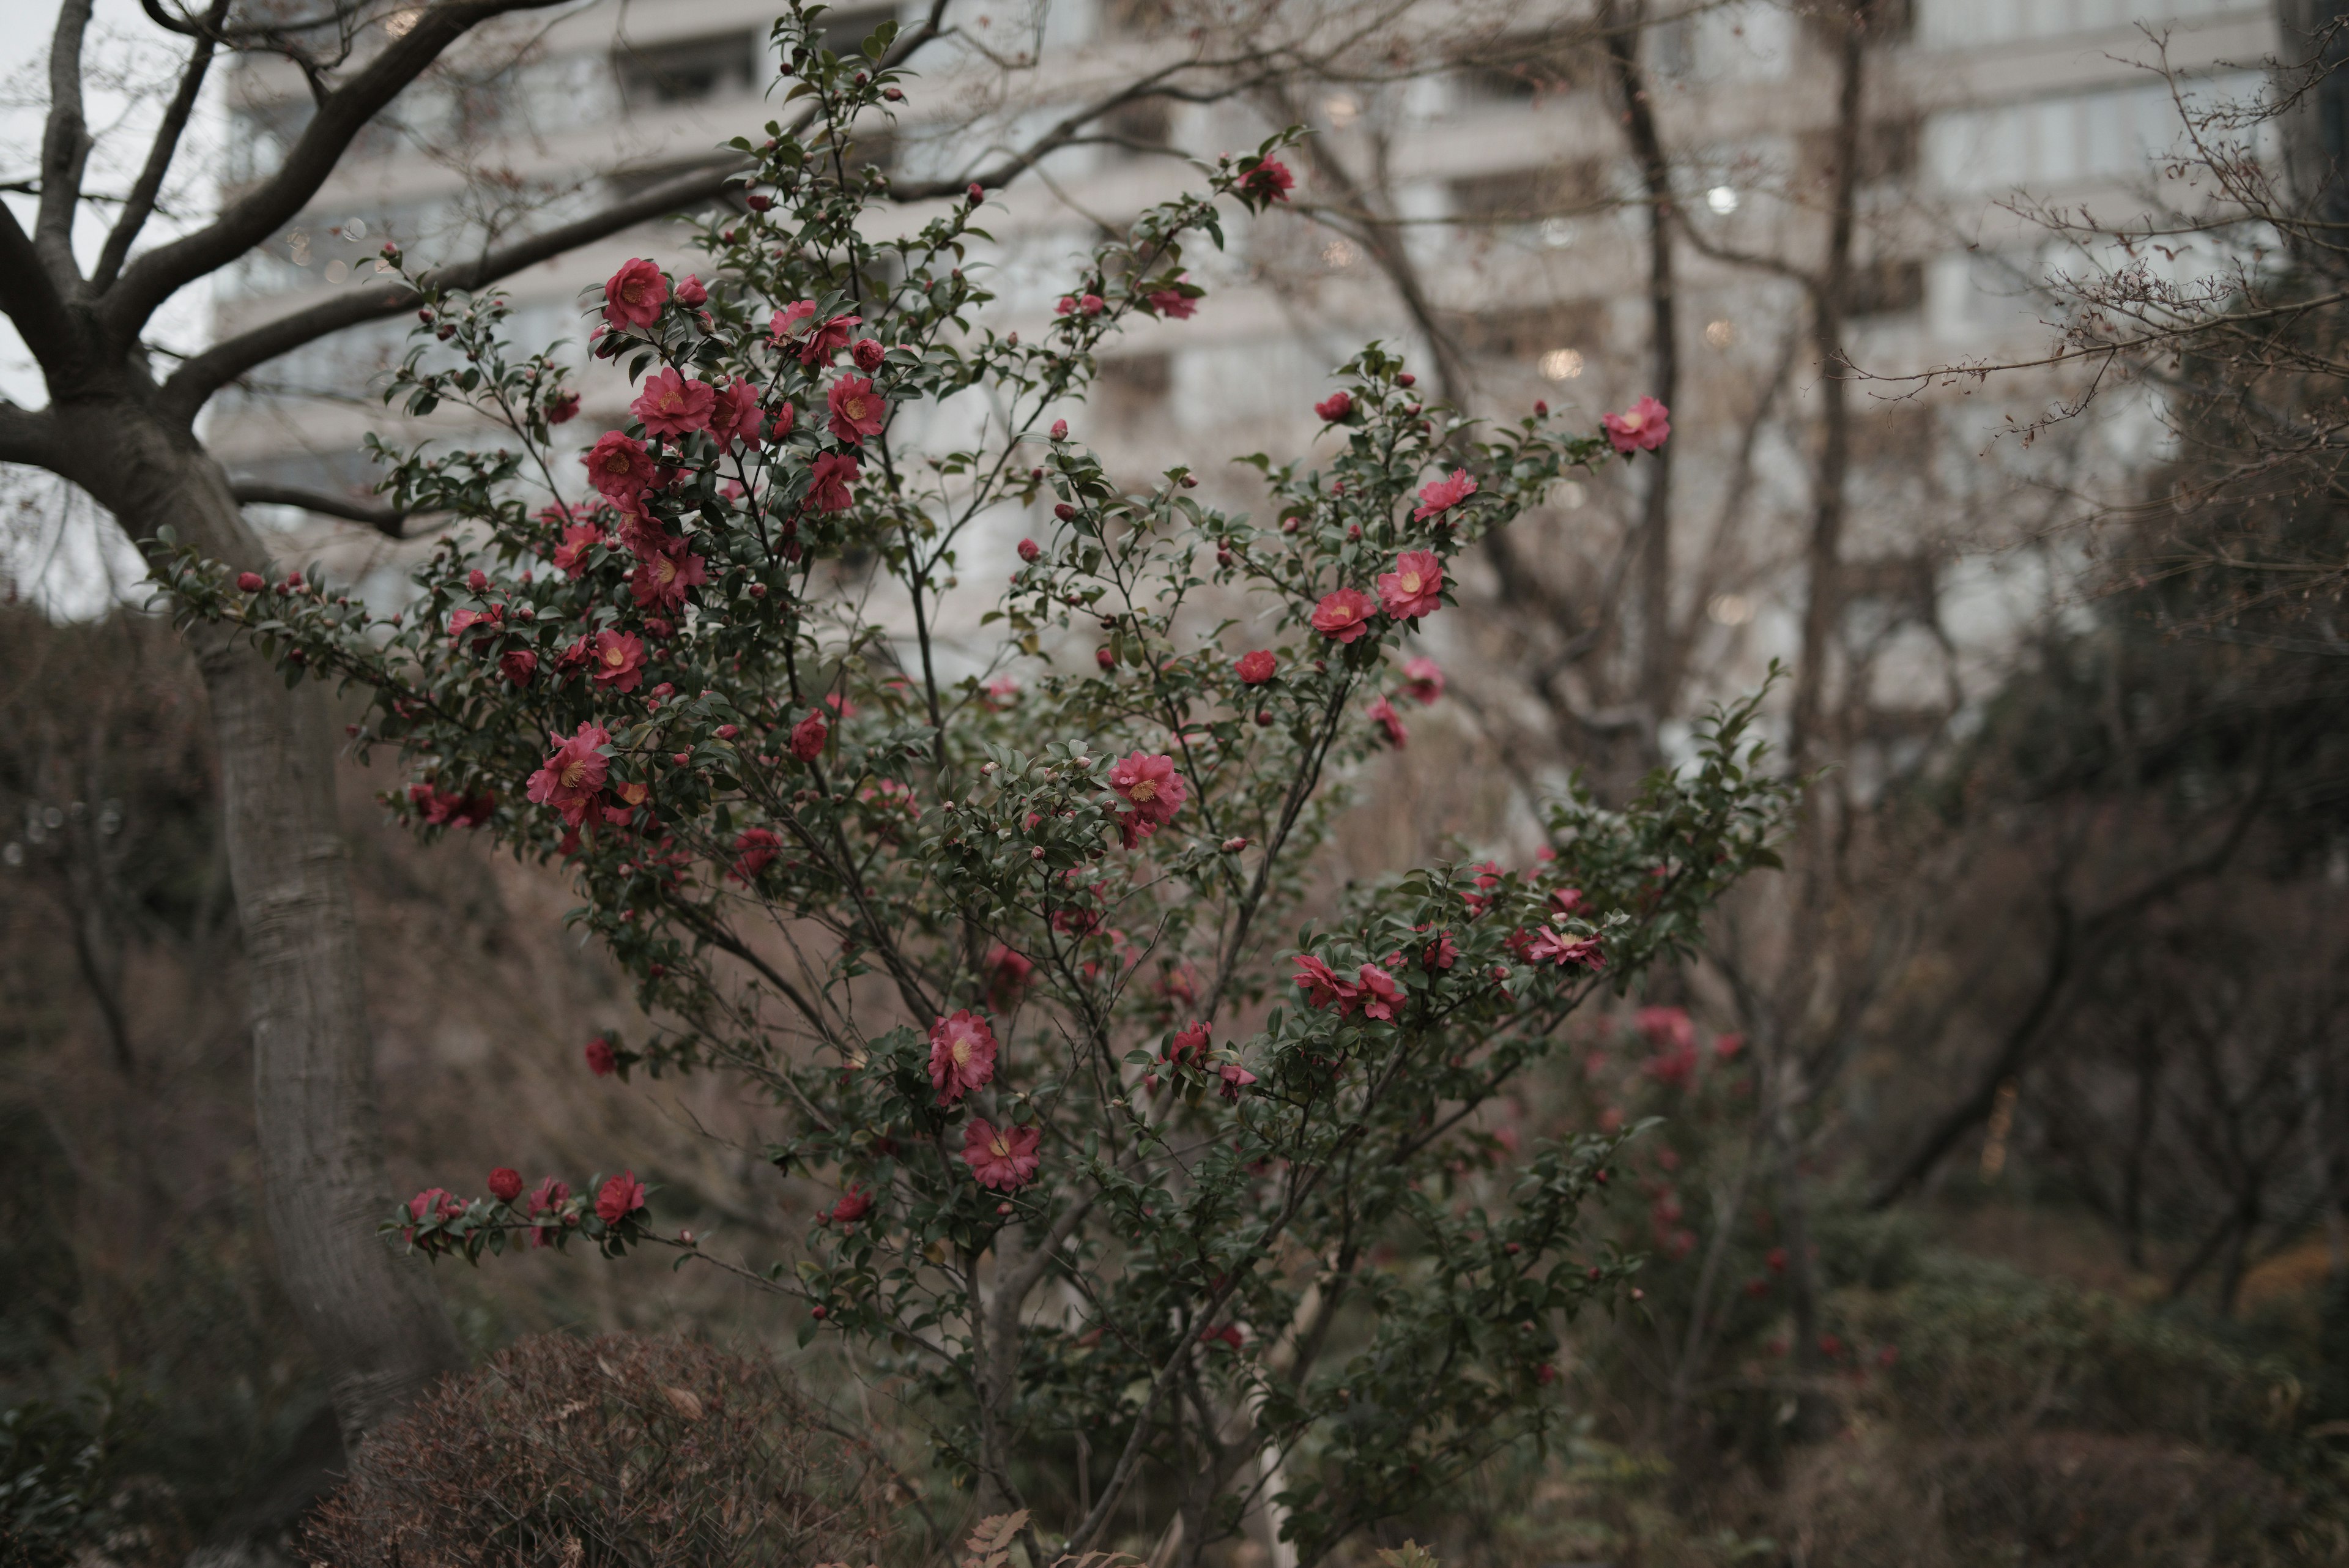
65 148
32 302
384 519
140 203
250 219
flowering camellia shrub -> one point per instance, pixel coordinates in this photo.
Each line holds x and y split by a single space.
1117 1148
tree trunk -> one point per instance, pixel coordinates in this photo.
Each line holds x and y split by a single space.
373 1318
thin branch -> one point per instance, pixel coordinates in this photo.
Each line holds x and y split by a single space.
65 144
384 519
140 203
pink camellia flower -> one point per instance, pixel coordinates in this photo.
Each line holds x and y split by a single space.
569 780
734 415
1257 668
1235 1078
1007 973
1269 181
786 322
1189 1048
999 693
1345 615
1322 986
824 341
1173 303
755 849
962 1055
1675 1068
691 294
1443 494
867 353
1414 588
505 1184
1065 306
1642 427
1150 785
1334 408
434 1203
855 1206
549 1194
1564 949
1029 550
1382 712
562 408
661 579
519 665
857 410
602 1060
251 582
571 556
1441 953
1001 1157
1666 1028
620 660
1059 430
619 466
622 1196
672 405
808 738
634 295
833 472
1422 679
1378 993
1090 304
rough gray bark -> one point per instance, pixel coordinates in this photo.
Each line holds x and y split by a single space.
372 1317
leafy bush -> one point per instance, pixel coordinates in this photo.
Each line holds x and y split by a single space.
568 1452
1009 951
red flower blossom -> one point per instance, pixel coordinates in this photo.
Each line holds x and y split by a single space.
672 405
1151 785
1000 1157
1334 408
755 849
962 1055
824 341
634 295
1321 985
549 1194
571 556
602 1060
734 415
251 582
1422 679
1379 995
867 354
1258 667
691 294
1642 427
808 738
786 322
1443 494
833 472
1345 615
505 1184
1189 1048
855 1206
661 578
618 465
563 408
1675 1068
622 1196
1442 952
620 660
1666 1028
1029 550
1269 181
1382 712
570 778
1173 303
1563 948
857 410
519 664
1414 587
1008 974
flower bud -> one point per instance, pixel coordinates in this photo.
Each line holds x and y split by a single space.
1059 430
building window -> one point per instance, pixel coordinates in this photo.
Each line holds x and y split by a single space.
1552 340
1530 195
1888 151
687 70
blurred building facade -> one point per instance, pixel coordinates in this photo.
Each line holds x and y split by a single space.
1494 148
